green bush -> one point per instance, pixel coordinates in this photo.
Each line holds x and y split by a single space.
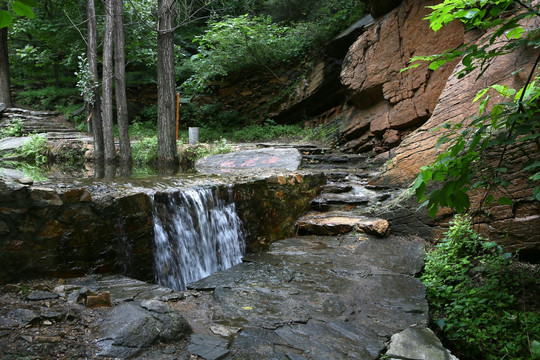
193 153
15 129
474 290
213 119
144 151
35 150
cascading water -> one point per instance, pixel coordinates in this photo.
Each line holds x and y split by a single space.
196 233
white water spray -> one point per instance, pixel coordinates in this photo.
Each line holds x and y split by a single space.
196 234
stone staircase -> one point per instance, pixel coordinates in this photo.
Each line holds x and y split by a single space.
347 201
51 124
346 204
39 122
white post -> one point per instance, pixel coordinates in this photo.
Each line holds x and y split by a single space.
193 135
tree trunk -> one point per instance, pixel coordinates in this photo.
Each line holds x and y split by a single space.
5 84
120 77
95 111
167 151
107 85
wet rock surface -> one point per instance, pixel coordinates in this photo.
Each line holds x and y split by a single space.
311 297
48 319
331 296
251 161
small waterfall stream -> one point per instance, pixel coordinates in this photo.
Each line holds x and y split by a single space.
196 233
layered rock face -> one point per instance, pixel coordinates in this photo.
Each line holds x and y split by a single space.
389 110
384 103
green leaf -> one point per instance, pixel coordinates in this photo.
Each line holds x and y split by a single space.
441 323
437 64
23 10
515 33
433 210
504 201
5 18
480 94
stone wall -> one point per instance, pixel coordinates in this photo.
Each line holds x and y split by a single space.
67 232
269 208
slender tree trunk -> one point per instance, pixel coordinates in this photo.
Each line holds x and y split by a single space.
120 77
5 84
167 151
107 85
95 111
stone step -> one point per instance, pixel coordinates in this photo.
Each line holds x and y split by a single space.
349 192
305 149
338 223
29 112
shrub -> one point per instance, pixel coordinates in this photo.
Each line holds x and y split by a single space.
15 129
144 151
473 289
210 116
35 150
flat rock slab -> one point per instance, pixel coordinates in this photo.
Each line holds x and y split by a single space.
251 161
321 297
11 143
208 347
335 223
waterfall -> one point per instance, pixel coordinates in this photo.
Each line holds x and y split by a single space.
196 233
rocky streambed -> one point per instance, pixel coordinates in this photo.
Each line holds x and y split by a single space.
338 285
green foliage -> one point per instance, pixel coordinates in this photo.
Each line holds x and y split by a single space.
193 153
508 33
144 151
15 129
139 129
473 290
210 116
269 130
47 98
85 81
235 44
509 126
148 114
35 150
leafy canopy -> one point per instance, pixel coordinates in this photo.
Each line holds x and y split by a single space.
507 128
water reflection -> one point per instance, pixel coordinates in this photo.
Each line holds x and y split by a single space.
95 170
